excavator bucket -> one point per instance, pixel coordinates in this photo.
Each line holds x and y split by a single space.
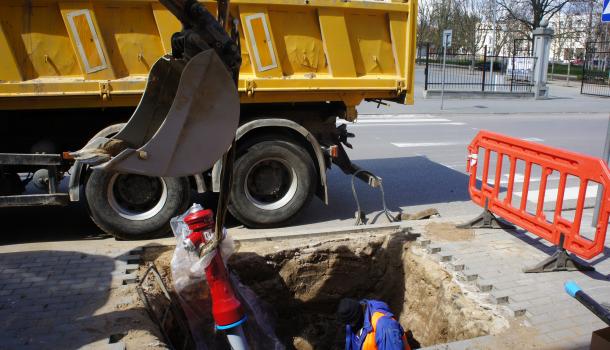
185 121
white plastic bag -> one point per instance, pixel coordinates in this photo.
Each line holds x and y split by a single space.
188 275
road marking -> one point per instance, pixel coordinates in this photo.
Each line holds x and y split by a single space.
533 139
520 178
394 116
569 194
400 124
400 120
424 144
454 166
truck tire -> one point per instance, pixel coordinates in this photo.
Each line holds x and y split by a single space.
153 201
272 182
132 207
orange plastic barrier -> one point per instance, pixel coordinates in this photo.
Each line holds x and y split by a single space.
587 169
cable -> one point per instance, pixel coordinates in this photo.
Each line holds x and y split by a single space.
359 213
385 207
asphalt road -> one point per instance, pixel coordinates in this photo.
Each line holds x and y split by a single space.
422 159
420 151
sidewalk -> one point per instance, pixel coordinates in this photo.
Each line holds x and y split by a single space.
492 262
68 295
562 100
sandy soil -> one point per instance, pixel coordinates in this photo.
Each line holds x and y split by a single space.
305 280
302 280
127 320
446 231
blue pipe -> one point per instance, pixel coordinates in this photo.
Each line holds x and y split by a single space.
235 334
576 292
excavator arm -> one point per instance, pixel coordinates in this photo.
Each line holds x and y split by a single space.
201 31
189 112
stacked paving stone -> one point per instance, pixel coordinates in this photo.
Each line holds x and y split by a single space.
493 262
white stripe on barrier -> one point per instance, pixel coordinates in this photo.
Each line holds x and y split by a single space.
533 139
570 193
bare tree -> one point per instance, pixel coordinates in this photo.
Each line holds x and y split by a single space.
424 28
532 12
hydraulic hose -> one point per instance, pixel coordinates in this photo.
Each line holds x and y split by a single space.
576 292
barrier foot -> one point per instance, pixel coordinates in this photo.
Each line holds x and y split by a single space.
561 260
486 220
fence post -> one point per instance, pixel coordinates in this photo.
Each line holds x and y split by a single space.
426 70
542 46
584 64
512 72
484 63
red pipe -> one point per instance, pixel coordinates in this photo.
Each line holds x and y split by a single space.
226 308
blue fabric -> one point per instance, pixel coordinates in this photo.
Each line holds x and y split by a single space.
388 335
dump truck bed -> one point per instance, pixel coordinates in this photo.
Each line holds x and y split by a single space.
97 53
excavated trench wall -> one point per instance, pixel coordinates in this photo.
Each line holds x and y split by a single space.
304 281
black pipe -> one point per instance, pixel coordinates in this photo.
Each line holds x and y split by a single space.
576 292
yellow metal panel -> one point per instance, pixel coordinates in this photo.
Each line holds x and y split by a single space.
410 51
372 6
131 35
246 62
297 34
259 40
370 41
87 39
10 69
398 33
336 42
38 40
260 34
89 46
324 50
167 25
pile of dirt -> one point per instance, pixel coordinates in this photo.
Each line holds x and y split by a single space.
302 282
305 283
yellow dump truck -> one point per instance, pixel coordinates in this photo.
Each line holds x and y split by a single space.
69 68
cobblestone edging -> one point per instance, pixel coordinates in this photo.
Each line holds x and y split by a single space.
492 263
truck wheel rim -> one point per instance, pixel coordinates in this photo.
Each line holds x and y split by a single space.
271 183
136 197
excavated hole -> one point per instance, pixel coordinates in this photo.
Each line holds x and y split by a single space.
304 284
303 281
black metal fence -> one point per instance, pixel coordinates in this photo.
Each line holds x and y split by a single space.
475 72
596 69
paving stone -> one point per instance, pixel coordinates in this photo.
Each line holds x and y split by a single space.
458 267
517 309
433 249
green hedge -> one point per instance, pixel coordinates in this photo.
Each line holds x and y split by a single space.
561 68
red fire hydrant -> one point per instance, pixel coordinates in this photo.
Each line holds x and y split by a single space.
226 308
